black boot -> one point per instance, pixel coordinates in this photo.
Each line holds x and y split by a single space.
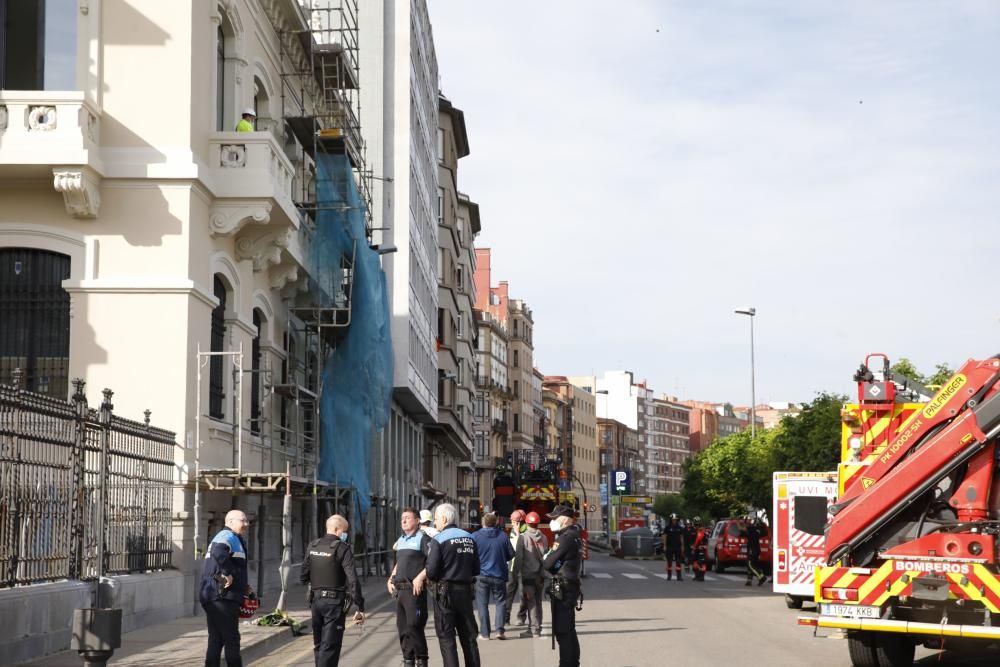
669 575
408 663
421 662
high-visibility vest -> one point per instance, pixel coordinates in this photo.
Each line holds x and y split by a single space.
244 126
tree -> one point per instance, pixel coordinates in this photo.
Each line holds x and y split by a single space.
906 368
667 504
810 441
942 373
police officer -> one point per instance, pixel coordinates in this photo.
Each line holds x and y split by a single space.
223 584
452 563
406 584
564 561
673 550
328 568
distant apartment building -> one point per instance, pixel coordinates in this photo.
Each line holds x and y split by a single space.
668 445
516 315
581 455
621 398
492 405
619 450
399 113
770 415
449 443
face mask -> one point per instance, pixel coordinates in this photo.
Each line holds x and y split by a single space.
343 538
556 524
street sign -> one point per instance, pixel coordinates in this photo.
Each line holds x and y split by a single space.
636 500
621 482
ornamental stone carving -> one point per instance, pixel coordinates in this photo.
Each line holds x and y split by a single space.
81 191
265 250
283 275
41 118
228 218
233 155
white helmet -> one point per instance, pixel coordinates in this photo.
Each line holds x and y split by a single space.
249 111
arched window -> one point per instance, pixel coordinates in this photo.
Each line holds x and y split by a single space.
261 105
34 319
255 397
216 379
220 80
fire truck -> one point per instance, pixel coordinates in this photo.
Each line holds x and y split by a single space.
531 483
912 542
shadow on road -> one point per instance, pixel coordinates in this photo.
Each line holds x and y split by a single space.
620 631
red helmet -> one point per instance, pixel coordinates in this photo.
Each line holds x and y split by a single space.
249 605
517 515
532 519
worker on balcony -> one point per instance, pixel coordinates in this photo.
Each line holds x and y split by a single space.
246 123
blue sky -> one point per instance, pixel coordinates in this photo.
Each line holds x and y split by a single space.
643 168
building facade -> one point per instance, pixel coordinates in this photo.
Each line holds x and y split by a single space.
581 457
399 118
172 248
492 408
450 438
669 445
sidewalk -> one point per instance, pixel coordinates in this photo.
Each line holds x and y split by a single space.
182 641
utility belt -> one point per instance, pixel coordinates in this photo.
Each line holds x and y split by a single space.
561 589
441 591
331 593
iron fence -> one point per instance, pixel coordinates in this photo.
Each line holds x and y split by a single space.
83 492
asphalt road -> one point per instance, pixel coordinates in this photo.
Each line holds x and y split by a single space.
633 617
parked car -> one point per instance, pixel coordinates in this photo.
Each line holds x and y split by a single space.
727 545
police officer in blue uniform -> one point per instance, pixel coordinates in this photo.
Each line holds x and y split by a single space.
223 585
564 562
328 568
452 563
407 584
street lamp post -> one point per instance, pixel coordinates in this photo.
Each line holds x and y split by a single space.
751 312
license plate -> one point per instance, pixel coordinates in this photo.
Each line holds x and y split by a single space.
851 611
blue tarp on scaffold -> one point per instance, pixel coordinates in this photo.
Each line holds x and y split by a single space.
357 376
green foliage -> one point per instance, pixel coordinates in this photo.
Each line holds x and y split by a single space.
668 504
905 367
734 474
942 373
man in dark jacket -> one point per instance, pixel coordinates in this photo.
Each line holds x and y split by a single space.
452 564
223 585
564 562
495 552
754 569
528 555
328 568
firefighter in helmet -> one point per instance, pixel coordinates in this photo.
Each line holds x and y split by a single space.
699 550
673 547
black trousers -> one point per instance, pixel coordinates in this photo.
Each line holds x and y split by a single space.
223 619
411 619
328 630
564 626
455 615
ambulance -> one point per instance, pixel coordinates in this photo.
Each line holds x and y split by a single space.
799 515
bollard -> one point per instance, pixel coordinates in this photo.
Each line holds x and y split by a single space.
96 635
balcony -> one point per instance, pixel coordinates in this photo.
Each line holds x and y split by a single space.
499 426
53 133
251 178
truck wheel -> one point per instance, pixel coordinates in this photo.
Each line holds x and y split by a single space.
894 650
861 647
793 602
719 567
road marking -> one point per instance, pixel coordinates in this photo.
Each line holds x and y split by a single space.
630 575
600 575
662 575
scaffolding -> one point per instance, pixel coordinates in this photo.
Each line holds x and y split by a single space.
320 97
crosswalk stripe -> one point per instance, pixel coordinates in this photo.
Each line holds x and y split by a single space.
600 575
663 575
631 575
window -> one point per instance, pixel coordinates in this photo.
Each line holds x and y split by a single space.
216 388
460 325
440 145
258 321
38 45
440 206
34 319
810 514
261 105
220 80
516 362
